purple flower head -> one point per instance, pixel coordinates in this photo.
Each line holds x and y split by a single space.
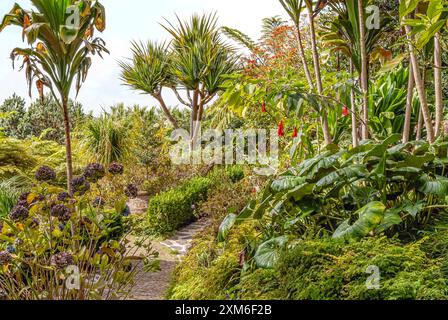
80 185
5 257
131 191
24 196
23 203
115 168
61 260
19 213
45 173
35 223
61 212
63 196
94 172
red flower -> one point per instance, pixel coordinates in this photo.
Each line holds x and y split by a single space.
263 107
295 133
345 111
281 131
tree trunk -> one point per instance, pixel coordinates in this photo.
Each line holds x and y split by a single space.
420 89
324 119
68 145
364 72
408 116
355 137
166 111
303 58
438 85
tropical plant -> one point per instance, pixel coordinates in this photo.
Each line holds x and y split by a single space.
371 189
60 34
107 139
195 61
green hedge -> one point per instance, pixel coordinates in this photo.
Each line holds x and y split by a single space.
172 209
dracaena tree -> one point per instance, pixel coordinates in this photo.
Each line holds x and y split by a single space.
193 65
61 41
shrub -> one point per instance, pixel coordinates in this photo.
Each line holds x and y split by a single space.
326 269
175 208
235 173
211 268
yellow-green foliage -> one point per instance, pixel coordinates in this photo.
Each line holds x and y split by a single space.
22 157
210 268
326 269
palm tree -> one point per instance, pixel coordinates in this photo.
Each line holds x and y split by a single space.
438 84
195 62
294 10
364 71
60 34
149 71
324 118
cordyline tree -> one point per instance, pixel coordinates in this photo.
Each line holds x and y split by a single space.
60 36
192 65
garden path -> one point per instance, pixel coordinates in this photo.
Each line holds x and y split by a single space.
153 285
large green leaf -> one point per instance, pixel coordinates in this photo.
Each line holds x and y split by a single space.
344 174
434 186
370 217
286 183
226 226
268 253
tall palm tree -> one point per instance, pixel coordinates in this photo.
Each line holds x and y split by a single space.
60 35
294 10
195 62
438 84
149 71
364 71
317 71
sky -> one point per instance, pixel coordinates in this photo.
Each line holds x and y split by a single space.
126 21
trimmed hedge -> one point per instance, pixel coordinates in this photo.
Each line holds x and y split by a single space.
172 209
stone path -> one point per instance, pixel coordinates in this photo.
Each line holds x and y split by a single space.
153 285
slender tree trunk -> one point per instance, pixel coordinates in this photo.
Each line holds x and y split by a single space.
408 116
68 145
355 137
303 56
324 118
420 89
166 111
420 122
364 72
438 84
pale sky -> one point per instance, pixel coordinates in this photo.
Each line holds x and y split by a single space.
126 21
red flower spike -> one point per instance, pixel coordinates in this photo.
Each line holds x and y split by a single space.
281 131
295 133
345 112
263 107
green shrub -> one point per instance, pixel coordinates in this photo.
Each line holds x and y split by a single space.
235 173
172 209
211 268
8 198
334 270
